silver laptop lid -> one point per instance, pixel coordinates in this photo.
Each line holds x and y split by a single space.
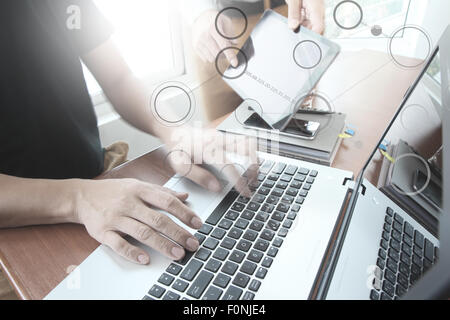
436 283
410 165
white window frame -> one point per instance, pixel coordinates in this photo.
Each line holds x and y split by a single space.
179 68
414 16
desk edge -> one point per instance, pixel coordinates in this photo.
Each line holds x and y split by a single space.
13 279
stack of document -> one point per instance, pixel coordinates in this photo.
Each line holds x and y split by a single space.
322 149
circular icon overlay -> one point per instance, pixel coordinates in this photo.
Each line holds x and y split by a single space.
376 30
237 30
425 168
348 14
226 70
307 54
413 116
178 161
172 103
409 46
246 109
313 102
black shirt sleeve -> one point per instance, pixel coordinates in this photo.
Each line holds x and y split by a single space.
48 126
94 28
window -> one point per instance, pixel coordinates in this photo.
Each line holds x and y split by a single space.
388 14
149 37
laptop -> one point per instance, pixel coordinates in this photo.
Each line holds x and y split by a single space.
310 231
389 244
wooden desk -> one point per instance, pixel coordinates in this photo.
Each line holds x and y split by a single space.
365 85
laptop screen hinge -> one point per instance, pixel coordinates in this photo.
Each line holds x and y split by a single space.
351 184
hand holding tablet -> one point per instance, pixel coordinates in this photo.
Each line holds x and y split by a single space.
278 68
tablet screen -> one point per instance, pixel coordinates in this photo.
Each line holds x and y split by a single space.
278 67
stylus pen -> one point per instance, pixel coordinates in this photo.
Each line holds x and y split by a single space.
315 112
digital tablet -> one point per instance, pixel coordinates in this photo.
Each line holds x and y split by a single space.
278 67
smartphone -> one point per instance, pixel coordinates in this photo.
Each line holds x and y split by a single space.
297 128
432 193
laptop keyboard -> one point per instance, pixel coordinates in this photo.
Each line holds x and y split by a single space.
405 254
240 239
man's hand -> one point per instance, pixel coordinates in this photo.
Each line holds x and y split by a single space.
112 209
193 148
308 13
208 42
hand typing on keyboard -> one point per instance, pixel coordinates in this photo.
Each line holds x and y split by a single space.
111 209
240 239
202 154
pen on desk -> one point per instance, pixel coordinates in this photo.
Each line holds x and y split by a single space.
315 111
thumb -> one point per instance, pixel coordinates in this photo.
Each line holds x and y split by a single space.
204 178
295 17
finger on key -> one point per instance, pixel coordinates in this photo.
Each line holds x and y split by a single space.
148 236
166 226
168 202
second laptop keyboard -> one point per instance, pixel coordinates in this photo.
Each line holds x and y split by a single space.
240 239
405 254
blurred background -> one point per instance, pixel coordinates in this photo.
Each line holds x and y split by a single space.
152 37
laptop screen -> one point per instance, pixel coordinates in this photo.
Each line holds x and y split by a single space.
408 165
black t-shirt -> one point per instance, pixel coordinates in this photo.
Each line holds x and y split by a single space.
48 128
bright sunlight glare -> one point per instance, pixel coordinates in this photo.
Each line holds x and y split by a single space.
142 32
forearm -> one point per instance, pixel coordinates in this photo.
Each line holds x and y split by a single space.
129 96
26 202
131 100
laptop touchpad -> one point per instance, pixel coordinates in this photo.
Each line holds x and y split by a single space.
199 200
